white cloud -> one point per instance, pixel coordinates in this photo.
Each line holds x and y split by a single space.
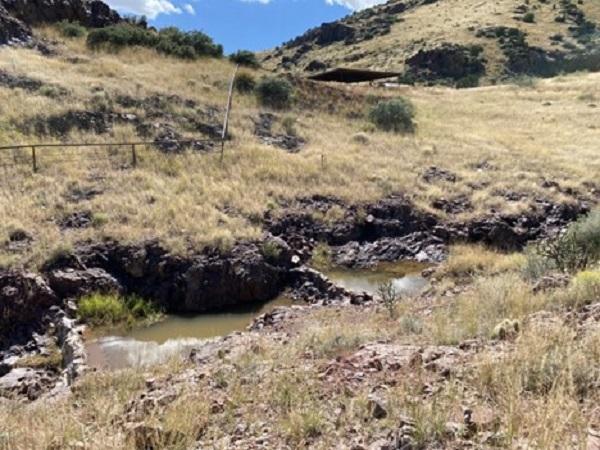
148 8
356 4
189 9
350 4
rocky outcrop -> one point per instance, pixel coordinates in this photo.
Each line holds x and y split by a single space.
419 246
24 297
451 63
12 30
311 286
210 280
90 13
263 129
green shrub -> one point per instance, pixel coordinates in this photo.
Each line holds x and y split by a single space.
71 29
529 17
100 309
577 249
393 115
585 289
244 58
170 41
389 297
276 93
469 81
245 83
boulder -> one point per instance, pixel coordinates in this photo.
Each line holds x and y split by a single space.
73 283
90 13
446 62
24 297
11 29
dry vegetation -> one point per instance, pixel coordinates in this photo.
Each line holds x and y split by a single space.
454 21
535 389
547 130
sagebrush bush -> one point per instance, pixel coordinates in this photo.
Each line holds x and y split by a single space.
71 29
577 249
244 58
245 83
170 41
276 93
393 115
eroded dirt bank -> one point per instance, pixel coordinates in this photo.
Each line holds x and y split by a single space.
38 310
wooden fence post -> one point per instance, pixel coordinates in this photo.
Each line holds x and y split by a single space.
133 156
227 111
34 159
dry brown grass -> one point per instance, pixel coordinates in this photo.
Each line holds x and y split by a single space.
193 200
539 390
454 21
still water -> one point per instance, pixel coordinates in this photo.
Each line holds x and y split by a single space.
177 335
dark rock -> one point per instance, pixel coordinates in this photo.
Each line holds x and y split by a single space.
446 62
249 273
62 124
23 299
433 174
311 286
12 30
72 283
316 66
263 129
19 81
421 247
77 220
456 205
27 382
90 13
377 408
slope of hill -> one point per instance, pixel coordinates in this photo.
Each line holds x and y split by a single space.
500 350
454 41
17 16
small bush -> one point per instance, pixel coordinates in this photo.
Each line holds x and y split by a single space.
529 17
245 58
101 310
276 93
170 41
71 29
585 289
245 83
577 249
389 297
271 250
393 115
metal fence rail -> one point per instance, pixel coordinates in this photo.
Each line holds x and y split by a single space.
33 158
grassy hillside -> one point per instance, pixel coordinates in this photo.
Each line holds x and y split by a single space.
387 36
500 350
496 140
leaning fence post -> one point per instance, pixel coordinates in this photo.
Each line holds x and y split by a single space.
34 159
133 156
227 111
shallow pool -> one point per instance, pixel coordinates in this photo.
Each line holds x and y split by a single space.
178 335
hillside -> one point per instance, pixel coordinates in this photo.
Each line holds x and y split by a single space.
328 281
457 42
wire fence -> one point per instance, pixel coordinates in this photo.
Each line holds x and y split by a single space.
41 155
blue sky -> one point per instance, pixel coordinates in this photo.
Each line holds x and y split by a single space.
242 24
